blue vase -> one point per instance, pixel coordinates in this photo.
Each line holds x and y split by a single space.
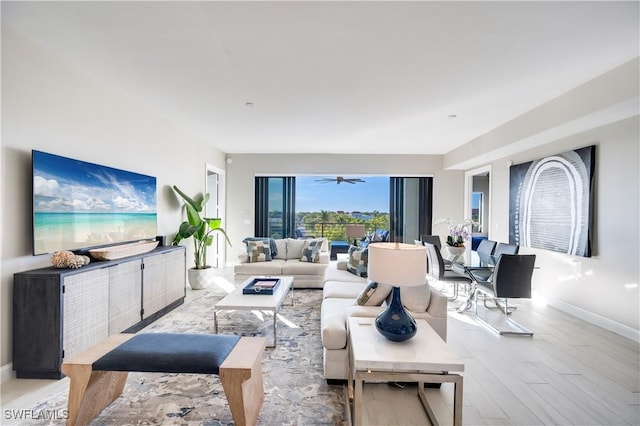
395 323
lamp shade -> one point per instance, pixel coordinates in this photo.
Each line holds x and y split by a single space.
397 264
355 231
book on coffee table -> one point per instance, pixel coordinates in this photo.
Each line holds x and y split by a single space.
261 286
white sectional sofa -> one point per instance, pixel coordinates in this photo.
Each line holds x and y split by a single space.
286 262
340 294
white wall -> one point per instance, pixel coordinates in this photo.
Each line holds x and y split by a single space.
447 192
50 105
604 287
603 112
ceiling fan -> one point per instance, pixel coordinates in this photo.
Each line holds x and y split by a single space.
340 179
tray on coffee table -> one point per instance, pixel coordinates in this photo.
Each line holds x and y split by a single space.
261 286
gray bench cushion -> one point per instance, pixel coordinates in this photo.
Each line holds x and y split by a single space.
169 353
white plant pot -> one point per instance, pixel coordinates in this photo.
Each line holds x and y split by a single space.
455 251
200 278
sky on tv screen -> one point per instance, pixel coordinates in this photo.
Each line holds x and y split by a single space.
77 204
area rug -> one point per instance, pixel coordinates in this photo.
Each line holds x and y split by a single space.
296 392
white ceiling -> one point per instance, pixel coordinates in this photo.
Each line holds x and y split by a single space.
337 77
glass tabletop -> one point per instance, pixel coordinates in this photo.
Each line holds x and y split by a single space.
472 260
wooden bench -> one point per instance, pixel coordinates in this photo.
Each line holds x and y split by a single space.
98 375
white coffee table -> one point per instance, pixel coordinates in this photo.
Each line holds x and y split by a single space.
425 358
255 302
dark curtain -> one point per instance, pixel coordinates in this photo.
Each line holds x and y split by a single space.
397 201
261 222
396 209
263 205
425 219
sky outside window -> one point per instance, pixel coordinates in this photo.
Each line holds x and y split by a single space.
367 196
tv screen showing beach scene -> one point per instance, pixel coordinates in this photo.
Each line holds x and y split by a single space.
79 205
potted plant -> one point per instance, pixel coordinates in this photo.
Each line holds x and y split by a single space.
202 230
458 234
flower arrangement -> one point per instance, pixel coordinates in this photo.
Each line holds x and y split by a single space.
459 233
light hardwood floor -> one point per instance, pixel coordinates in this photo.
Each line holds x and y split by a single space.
569 372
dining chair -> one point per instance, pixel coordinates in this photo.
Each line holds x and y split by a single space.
500 248
438 272
486 247
432 239
511 279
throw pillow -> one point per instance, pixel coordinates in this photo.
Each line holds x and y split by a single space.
358 261
281 245
311 251
373 294
294 248
416 299
258 251
270 241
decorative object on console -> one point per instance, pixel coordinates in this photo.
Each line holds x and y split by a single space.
66 259
202 230
123 250
398 265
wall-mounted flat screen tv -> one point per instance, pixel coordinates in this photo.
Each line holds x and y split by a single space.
79 205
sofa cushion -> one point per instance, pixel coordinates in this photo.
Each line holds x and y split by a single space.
294 248
342 289
333 322
311 251
262 268
297 267
270 241
358 261
416 299
373 294
258 251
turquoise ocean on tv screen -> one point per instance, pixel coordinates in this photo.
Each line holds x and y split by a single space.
73 230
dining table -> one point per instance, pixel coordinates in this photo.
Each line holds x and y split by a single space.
472 264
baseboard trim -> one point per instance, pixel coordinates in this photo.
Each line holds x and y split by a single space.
600 321
6 373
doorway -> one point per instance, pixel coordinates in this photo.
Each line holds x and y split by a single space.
477 200
214 185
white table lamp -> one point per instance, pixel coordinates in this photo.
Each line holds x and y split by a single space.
398 265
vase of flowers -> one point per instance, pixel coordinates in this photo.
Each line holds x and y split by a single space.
458 235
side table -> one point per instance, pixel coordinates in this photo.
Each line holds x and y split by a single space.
425 358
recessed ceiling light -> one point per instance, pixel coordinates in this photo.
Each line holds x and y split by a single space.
249 104
453 116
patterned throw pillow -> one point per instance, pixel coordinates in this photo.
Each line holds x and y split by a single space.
311 251
373 294
258 251
358 261
270 241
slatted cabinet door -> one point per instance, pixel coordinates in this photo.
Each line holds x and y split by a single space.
124 295
176 283
86 310
154 285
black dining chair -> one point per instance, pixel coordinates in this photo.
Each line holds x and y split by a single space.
438 272
511 280
500 248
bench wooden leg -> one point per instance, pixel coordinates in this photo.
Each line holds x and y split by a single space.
90 391
241 377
